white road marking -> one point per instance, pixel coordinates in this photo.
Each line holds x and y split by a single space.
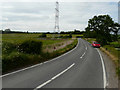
20 70
104 72
40 86
86 47
39 63
83 55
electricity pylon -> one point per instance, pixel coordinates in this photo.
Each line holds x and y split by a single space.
56 28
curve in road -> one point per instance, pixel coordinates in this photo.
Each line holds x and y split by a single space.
79 68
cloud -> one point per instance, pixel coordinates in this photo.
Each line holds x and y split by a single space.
40 16
24 17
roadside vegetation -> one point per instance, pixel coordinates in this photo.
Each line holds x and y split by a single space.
22 50
105 31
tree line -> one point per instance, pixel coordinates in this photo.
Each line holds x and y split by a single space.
7 31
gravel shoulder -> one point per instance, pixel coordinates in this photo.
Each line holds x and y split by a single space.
112 78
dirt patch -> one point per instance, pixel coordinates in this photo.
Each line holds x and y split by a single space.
57 46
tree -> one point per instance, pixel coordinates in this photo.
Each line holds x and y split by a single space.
101 26
89 34
115 28
7 30
76 32
70 35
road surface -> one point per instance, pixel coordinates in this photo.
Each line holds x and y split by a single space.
80 68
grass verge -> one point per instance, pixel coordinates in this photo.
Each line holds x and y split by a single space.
13 59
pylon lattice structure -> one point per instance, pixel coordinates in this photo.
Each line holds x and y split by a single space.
56 29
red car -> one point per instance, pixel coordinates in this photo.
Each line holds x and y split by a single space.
96 44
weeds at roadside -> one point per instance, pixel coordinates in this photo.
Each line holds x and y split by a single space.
16 56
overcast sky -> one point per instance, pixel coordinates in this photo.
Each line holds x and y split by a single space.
40 16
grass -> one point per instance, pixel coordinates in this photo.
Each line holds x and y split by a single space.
111 50
19 38
74 35
13 59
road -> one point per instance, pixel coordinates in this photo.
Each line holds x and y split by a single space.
80 68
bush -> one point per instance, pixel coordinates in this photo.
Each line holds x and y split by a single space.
43 35
115 44
66 36
13 61
70 35
118 71
79 36
7 47
30 47
16 56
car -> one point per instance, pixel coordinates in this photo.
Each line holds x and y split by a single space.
96 44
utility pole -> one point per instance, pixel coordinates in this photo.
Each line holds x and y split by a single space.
56 28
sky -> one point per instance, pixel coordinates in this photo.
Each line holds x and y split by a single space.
40 16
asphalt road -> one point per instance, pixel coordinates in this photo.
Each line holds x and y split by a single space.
80 68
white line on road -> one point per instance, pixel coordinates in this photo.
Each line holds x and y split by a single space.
39 63
83 55
104 73
84 44
86 47
40 86
20 70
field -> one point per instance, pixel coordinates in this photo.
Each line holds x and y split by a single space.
19 38
73 35
22 50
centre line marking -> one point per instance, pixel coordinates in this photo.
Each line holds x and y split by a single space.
40 86
82 55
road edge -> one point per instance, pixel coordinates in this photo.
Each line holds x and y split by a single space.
104 69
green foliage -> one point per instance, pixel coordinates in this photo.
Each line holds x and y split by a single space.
13 57
118 36
115 29
21 50
115 44
43 35
100 27
30 47
72 32
90 34
112 50
66 36
70 35
8 47
101 40
17 60
118 71
14 60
